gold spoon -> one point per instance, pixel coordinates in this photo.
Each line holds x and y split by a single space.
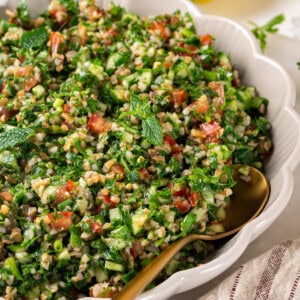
247 201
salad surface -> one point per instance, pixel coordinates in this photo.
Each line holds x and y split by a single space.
118 136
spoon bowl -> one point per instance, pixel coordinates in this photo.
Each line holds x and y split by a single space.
249 197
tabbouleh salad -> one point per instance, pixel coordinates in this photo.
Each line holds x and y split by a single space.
118 135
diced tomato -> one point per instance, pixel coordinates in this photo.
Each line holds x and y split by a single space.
98 290
58 12
183 205
5 114
136 249
98 124
113 33
206 39
96 227
170 140
66 108
144 174
53 13
56 41
176 149
61 195
118 169
160 26
201 105
167 64
30 83
185 192
174 20
6 196
193 198
210 129
70 185
107 199
179 96
25 71
61 221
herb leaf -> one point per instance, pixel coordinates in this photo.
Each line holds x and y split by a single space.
187 223
152 130
13 137
138 107
34 38
261 32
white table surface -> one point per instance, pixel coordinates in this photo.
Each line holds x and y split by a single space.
286 51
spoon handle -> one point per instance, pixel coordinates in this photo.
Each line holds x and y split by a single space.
142 279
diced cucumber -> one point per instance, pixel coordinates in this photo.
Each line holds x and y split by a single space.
115 215
100 275
139 219
118 94
110 265
145 144
187 32
182 70
128 81
64 255
11 264
199 212
116 243
221 213
115 60
127 137
38 91
81 57
130 17
210 75
146 77
170 216
217 228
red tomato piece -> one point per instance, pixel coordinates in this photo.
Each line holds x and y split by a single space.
70 185
183 205
210 129
144 174
56 41
98 124
169 140
201 105
61 221
107 199
61 195
167 64
96 227
160 26
179 96
206 39
193 198
182 193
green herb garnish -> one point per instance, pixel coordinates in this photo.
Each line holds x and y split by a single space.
261 32
13 137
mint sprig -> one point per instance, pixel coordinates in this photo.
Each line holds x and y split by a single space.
151 128
261 32
14 137
34 38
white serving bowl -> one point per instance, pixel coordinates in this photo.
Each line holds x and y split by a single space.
272 82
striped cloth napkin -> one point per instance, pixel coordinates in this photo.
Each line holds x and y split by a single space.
274 275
